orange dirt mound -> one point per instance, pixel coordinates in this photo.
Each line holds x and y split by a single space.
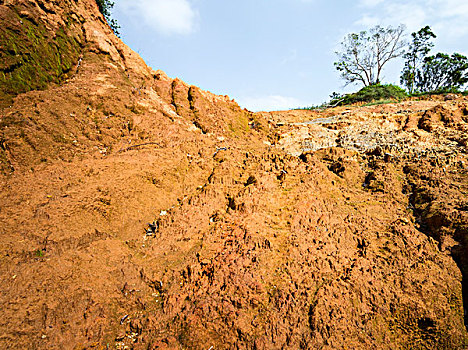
139 212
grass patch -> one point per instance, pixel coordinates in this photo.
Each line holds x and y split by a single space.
369 95
381 102
39 253
378 94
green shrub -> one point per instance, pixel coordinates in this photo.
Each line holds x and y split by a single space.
452 90
39 253
370 94
105 6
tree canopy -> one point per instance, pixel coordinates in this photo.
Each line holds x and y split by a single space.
436 73
363 55
442 72
105 6
419 47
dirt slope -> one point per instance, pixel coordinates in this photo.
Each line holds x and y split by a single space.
140 212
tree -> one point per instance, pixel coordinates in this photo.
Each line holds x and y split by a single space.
442 72
418 50
364 55
105 7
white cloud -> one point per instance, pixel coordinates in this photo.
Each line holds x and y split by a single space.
368 21
166 16
270 103
452 23
452 8
370 3
412 15
447 17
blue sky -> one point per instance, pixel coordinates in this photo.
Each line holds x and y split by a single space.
273 54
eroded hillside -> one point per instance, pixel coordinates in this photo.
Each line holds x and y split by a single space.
140 212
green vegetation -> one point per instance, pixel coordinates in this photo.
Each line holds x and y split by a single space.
381 102
105 6
432 74
39 253
31 58
442 73
363 56
371 94
418 50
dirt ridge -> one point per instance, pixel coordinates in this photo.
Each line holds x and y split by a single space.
141 212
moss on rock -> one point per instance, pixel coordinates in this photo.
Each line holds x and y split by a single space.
31 57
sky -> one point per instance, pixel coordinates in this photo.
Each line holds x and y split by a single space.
274 54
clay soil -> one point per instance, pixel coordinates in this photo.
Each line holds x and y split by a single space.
140 212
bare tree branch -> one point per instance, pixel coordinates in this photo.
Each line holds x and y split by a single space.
364 55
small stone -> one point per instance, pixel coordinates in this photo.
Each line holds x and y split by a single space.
450 97
122 320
